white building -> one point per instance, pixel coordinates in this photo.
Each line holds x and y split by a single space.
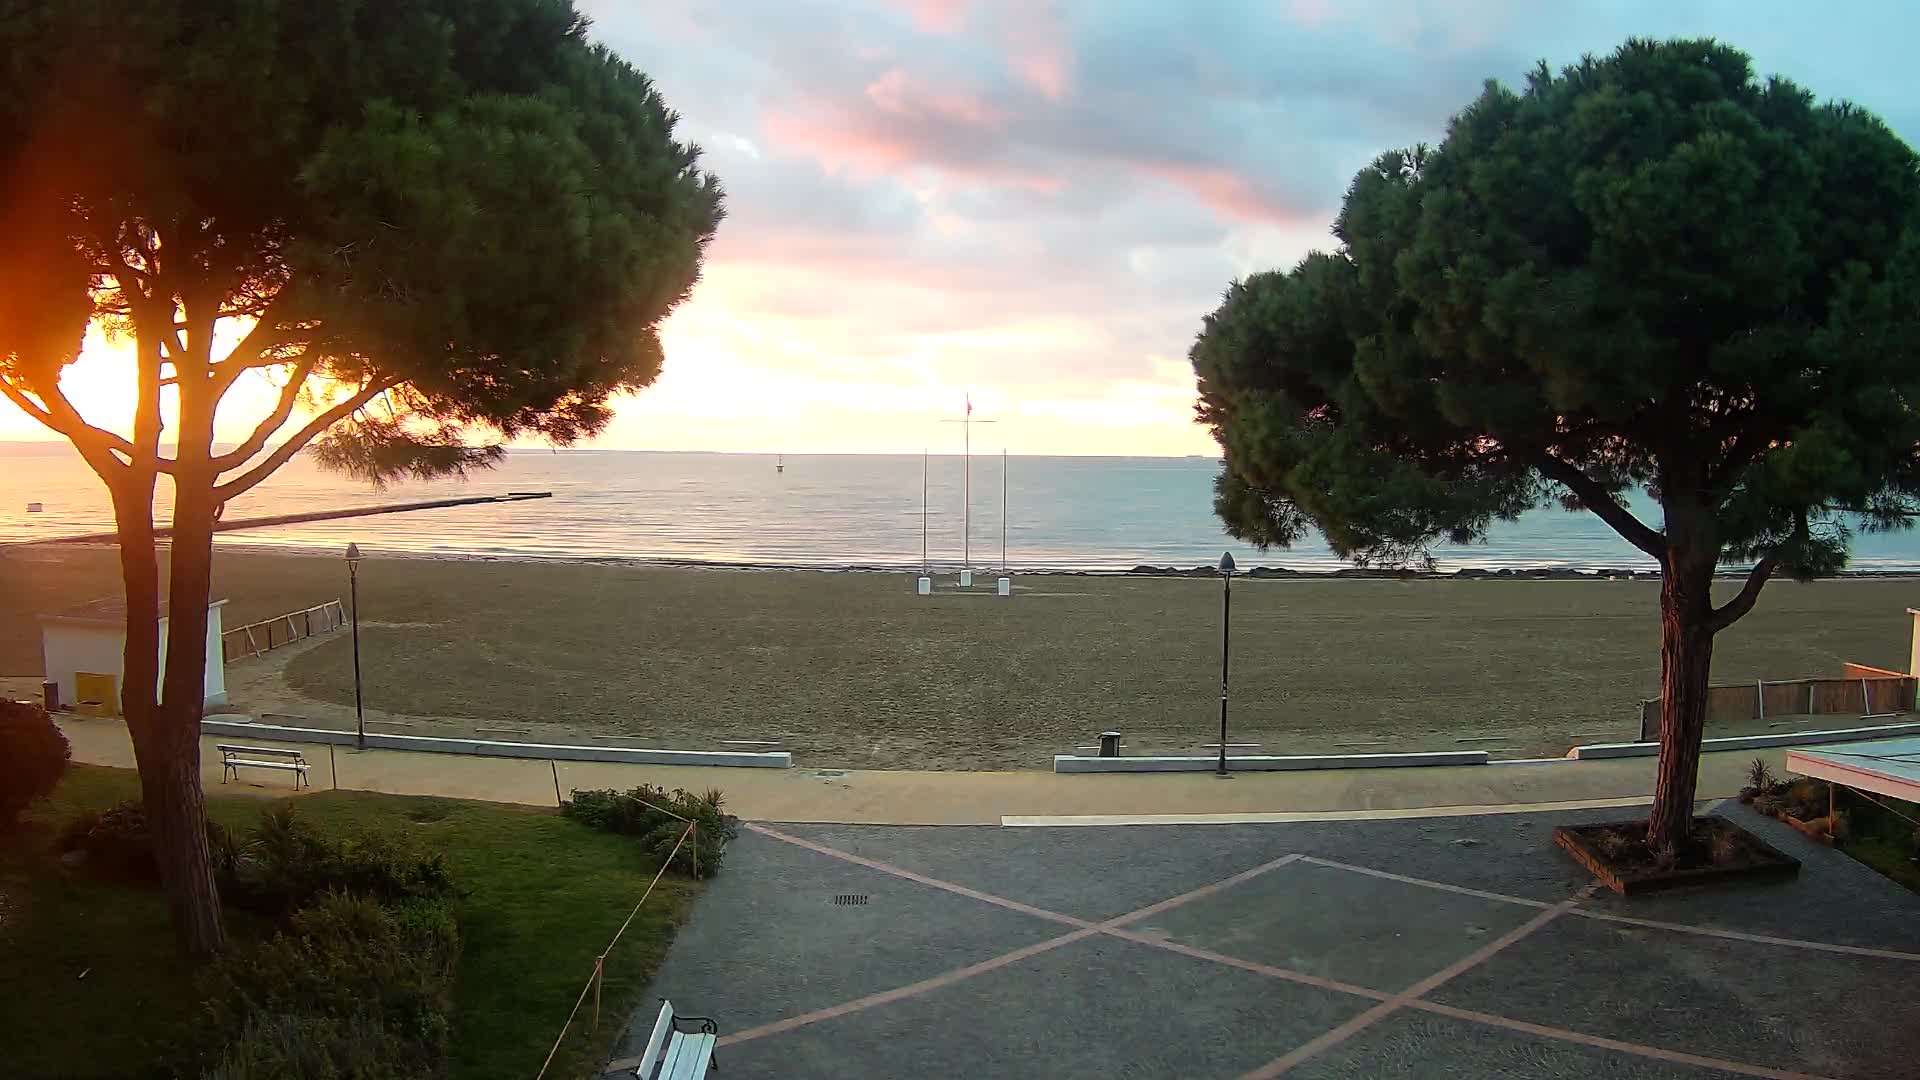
82 650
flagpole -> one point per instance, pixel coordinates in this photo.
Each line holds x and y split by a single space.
1003 509
966 489
925 566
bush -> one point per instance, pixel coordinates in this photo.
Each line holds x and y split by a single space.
352 988
33 758
286 864
644 812
119 847
1807 799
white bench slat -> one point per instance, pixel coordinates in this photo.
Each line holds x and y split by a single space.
656 1042
690 1063
296 766
230 749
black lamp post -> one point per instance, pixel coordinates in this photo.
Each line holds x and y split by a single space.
353 590
1226 626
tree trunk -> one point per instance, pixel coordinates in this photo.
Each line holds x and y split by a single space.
1686 661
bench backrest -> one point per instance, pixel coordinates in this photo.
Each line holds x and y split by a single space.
229 749
656 1042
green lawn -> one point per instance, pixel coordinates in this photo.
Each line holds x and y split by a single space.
92 988
1881 833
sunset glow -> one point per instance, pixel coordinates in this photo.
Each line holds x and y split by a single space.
1031 203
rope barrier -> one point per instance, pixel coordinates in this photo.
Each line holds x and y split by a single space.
599 963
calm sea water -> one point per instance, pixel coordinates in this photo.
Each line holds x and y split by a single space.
1062 513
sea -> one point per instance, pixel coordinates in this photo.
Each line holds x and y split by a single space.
811 510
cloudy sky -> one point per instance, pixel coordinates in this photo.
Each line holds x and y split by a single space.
1036 201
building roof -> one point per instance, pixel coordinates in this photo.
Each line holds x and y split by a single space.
1889 767
104 611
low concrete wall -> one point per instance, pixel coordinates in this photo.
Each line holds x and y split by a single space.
1071 763
1748 742
489 748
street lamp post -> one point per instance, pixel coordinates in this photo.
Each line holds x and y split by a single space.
353 591
1226 626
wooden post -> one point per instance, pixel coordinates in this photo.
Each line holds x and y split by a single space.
693 837
599 966
333 769
558 803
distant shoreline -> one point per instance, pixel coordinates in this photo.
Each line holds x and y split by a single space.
1144 570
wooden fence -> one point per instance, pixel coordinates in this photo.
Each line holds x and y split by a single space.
256 638
1860 691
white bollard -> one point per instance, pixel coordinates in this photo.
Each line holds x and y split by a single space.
1005 588
925 587
966 579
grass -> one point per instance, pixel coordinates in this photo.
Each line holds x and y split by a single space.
543 896
853 670
1880 837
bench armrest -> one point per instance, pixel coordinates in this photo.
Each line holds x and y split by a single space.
702 1025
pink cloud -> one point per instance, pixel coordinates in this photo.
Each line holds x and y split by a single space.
1227 191
895 93
1036 43
935 16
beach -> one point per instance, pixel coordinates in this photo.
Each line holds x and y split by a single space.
852 670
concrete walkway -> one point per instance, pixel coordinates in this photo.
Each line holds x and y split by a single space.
958 798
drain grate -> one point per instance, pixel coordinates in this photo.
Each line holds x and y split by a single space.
851 899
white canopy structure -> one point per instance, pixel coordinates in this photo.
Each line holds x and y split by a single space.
1889 767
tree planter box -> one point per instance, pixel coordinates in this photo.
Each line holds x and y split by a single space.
1759 861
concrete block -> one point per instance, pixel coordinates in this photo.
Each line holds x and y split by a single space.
1073 763
493 748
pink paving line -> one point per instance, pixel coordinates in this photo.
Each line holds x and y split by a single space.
1762 939
1327 1040
1254 966
1426 883
934 883
1638 1049
1602 916
1086 929
901 993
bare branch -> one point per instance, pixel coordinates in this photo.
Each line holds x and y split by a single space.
289 396
1604 506
1730 612
245 481
96 445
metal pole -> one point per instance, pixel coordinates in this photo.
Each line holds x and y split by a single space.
925 566
557 800
333 770
1003 509
1226 639
966 491
359 710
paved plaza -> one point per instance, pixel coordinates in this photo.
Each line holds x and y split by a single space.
1437 947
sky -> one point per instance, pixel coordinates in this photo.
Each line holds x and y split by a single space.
1035 202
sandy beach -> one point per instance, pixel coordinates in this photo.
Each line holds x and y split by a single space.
853 670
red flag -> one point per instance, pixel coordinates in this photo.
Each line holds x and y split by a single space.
969 404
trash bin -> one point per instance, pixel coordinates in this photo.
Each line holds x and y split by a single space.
1109 744
50 695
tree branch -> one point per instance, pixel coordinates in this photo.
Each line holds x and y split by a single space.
1730 612
95 444
239 485
289 397
1604 506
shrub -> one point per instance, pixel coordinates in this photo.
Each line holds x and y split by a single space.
1760 776
33 757
1807 799
644 812
119 847
286 864
351 988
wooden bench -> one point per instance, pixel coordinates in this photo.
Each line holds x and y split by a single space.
674 1054
234 758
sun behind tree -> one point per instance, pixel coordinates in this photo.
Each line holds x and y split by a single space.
432 223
